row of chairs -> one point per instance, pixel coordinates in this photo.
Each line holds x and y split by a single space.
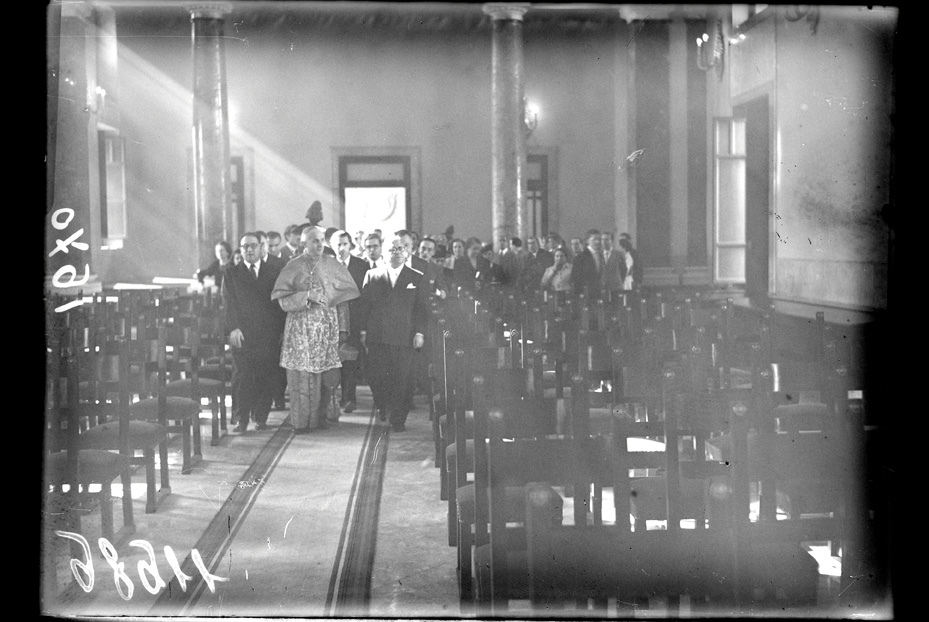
127 372
679 379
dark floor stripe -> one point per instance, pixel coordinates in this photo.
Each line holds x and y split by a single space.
351 508
214 542
354 589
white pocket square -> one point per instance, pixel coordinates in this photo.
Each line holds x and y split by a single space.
410 286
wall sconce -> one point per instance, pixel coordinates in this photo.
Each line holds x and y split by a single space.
710 49
530 117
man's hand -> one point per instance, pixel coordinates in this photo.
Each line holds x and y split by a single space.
236 338
418 341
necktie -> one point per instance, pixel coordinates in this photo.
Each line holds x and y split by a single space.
255 271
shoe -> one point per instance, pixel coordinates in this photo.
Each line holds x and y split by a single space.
240 428
279 406
349 406
398 427
261 426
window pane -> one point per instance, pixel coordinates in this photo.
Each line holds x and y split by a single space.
367 209
738 137
375 171
730 201
730 264
533 170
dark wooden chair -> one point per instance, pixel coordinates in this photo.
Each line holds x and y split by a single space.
70 469
113 369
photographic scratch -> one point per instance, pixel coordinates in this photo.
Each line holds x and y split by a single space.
207 496
269 544
287 525
636 34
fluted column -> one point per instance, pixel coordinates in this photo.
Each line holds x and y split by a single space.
508 141
210 128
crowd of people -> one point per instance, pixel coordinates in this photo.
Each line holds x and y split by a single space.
316 308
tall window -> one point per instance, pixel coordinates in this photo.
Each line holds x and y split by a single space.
113 225
537 193
375 193
729 201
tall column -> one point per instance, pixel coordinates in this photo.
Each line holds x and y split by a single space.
508 140
210 128
677 72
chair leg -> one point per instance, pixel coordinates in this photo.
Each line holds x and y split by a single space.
465 581
198 448
452 516
163 463
186 426
126 479
149 460
106 510
214 431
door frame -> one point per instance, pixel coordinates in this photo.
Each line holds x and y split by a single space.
413 182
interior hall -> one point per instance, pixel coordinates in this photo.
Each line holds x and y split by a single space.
643 262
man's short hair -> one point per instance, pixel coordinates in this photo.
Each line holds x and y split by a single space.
274 234
373 236
591 232
487 248
402 232
291 229
516 242
254 234
261 234
428 239
609 233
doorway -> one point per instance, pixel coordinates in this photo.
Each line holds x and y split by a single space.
757 196
375 193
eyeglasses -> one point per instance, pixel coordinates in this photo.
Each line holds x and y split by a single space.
250 247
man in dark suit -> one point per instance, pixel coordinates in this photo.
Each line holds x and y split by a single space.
392 319
537 261
291 246
341 241
587 266
255 324
279 388
614 266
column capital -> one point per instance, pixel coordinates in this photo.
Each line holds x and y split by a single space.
506 10
209 10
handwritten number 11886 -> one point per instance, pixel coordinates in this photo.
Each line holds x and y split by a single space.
83 571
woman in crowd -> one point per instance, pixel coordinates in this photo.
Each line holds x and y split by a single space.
473 269
496 270
458 253
633 272
314 290
557 277
216 269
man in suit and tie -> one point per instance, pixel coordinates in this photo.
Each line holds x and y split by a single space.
373 251
255 324
537 261
614 265
392 319
291 246
587 265
342 243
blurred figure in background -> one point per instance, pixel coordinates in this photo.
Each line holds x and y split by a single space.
217 268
